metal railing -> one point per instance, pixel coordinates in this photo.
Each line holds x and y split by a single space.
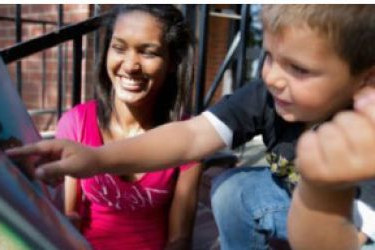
73 32
236 53
235 57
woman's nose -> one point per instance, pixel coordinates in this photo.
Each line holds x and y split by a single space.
131 62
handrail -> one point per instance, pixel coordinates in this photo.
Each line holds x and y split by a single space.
51 39
27 20
74 32
202 58
224 66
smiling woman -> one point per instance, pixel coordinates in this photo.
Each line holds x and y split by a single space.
138 60
143 79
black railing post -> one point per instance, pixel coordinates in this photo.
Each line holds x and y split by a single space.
223 66
241 59
77 70
44 72
50 40
18 40
64 33
190 14
60 88
96 36
201 68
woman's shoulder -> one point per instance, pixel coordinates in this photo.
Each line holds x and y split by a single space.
79 113
84 107
81 110
80 120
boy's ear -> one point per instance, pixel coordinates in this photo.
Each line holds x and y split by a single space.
367 83
369 77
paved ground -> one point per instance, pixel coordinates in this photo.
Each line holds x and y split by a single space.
205 231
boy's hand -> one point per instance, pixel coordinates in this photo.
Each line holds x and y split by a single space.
59 158
341 152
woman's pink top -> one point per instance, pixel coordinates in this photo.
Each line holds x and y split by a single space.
120 214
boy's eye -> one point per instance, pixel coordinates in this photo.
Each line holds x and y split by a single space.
267 59
267 56
299 70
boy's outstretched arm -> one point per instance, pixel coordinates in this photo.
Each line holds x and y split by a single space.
162 147
331 161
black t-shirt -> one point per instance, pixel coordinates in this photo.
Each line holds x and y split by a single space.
250 111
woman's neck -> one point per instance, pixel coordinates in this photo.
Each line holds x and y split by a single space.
128 121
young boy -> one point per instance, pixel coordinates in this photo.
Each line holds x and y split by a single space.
317 58
332 160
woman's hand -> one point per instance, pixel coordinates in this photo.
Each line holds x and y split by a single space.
57 158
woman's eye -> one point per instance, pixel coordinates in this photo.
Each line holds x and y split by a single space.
150 53
117 48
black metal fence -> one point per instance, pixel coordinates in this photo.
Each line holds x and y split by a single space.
197 15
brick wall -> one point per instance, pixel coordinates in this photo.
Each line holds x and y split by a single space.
217 47
39 88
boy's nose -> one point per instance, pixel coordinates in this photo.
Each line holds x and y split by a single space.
273 77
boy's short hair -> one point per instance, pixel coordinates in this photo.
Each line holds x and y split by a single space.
350 28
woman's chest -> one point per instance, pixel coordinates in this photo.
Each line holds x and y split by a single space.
152 190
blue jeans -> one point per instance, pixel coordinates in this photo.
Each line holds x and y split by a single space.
250 207
370 246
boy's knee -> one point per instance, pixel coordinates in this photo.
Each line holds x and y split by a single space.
223 192
226 194
226 185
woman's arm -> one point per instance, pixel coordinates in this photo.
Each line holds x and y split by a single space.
183 208
70 195
70 200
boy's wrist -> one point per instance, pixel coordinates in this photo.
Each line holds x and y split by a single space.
99 160
317 196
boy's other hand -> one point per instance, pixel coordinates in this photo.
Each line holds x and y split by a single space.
58 158
341 152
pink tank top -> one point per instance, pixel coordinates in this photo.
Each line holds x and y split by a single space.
120 214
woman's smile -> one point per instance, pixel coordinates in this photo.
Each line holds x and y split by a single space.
131 84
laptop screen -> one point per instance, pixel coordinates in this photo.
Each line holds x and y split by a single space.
28 219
